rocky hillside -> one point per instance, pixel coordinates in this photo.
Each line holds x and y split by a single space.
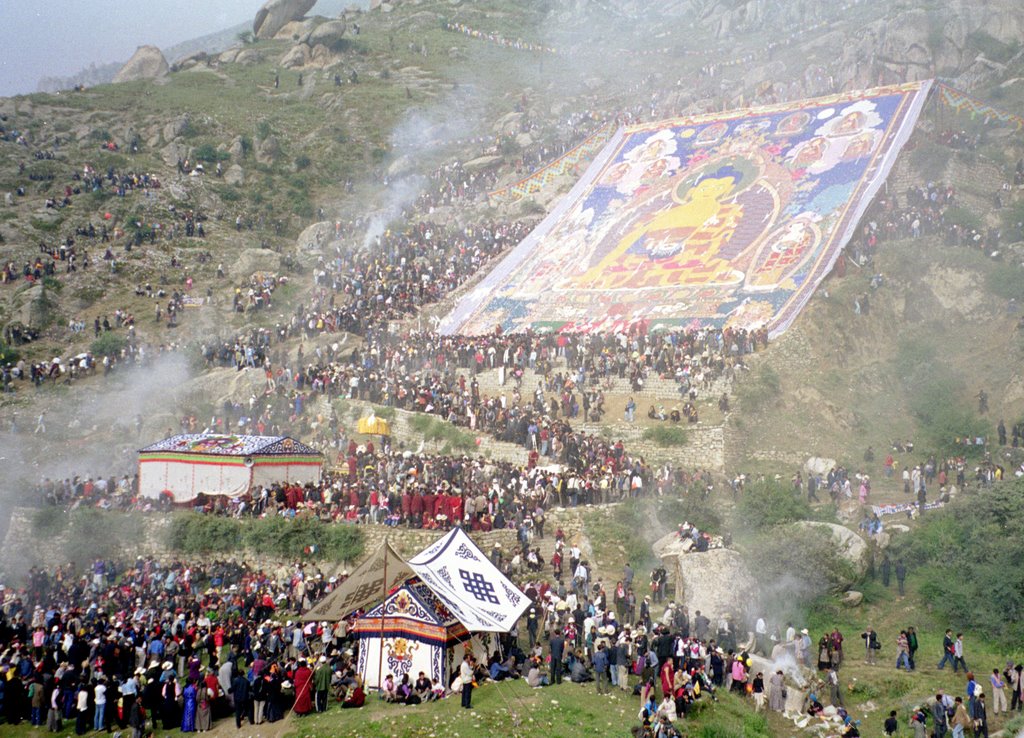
312 118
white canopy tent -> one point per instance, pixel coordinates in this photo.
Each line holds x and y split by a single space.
185 466
447 597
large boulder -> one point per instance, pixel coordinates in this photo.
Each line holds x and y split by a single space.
176 127
481 163
316 236
847 543
33 307
234 175
217 385
296 30
172 152
248 57
147 62
818 465
714 582
190 61
853 598
228 56
328 34
666 544
251 261
321 57
274 14
296 57
267 150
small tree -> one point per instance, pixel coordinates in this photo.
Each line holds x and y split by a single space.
769 503
109 344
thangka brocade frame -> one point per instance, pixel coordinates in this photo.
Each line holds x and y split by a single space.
729 219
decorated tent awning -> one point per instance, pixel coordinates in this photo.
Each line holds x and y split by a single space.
413 611
230 445
458 574
186 466
368 584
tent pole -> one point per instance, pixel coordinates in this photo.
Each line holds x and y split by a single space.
380 652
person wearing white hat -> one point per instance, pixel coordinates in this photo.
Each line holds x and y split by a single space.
803 648
321 684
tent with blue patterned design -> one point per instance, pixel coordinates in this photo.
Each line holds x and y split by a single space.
454 600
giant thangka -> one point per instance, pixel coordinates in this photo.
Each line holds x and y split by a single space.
727 219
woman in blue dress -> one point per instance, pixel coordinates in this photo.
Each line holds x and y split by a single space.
188 713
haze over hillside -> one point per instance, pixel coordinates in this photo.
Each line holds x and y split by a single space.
55 45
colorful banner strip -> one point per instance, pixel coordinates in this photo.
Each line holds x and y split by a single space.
961 102
547 174
494 38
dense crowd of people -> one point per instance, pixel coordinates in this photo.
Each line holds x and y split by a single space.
141 645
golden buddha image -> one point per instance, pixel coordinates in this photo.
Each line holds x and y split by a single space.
718 213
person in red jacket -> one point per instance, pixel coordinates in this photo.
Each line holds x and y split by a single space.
406 506
416 509
303 689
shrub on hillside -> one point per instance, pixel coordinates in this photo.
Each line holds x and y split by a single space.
1007 282
930 160
1013 222
935 395
666 436
108 344
210 154
969 565
759 388
304 536
9 354
49 521
770 503
442 432
799 567
420 422
192 533
96 534
691 508
961 216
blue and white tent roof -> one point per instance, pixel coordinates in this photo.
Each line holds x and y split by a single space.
460 574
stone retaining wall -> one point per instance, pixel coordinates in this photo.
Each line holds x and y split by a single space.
705 444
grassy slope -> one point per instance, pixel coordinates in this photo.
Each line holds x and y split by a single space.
871 691
507 709
842 382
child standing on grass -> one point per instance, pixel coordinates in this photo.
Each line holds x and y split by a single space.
891 724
